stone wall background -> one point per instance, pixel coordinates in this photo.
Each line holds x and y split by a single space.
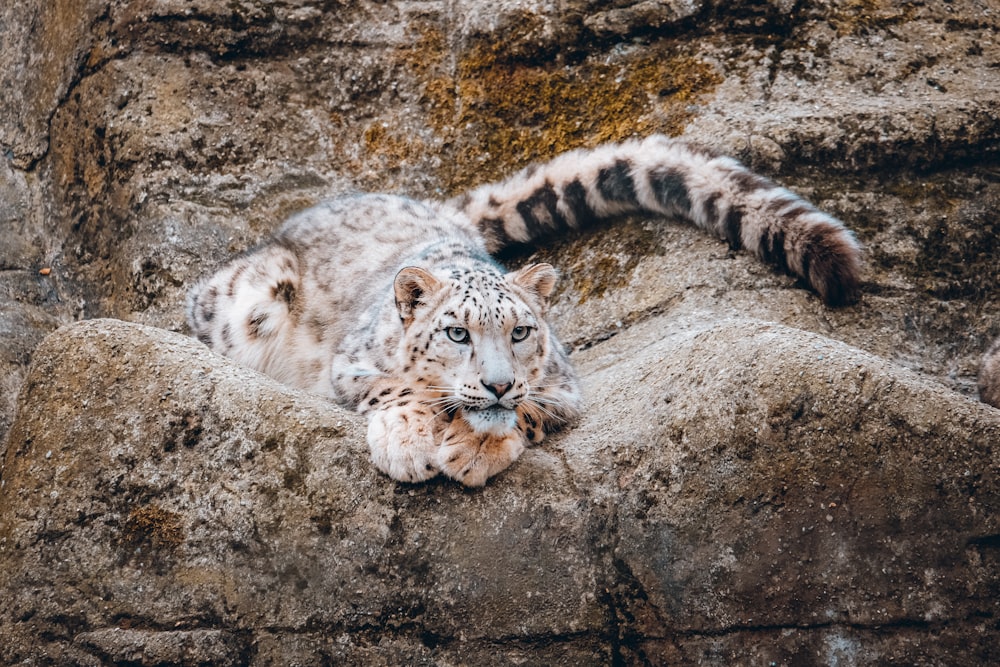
146 140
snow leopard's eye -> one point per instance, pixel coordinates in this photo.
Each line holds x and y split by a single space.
520 333
457 334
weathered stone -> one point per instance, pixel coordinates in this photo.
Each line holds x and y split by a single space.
775 471
223 498
144 141
646 15
45 44
34 298
218 507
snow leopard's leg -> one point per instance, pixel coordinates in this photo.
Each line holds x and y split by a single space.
243 309
404 429
472 457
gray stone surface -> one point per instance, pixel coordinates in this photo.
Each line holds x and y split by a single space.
792 482
759 479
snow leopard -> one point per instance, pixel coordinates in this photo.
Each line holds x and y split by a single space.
989 376
398 309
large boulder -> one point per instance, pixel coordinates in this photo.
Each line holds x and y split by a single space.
158 505
745 492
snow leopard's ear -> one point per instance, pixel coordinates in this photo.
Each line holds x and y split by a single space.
539 280
412 286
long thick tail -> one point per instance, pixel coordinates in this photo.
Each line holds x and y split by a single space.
670 177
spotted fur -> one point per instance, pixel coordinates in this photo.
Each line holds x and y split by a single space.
989 376
395 308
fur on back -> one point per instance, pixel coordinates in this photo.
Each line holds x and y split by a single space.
395 308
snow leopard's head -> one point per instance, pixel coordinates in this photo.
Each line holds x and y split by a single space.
478 338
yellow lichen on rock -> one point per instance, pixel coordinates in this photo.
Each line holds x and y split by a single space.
498 112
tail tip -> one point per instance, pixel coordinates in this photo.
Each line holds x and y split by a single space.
834 266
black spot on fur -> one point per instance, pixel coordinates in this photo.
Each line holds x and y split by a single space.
575 196
671 190
772 248
732 227
615 183
495 233
710 209
231 288
747 181
796 208
254 324
284 291
539 212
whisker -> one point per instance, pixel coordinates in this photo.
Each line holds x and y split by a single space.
547 400
536 387
543 410
446 397
446 409
446 400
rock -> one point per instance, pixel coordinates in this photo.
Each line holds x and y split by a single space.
164 504
44 47
34 295
219 500
646 15
989 376
145 141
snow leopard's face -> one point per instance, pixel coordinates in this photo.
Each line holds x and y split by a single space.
478 339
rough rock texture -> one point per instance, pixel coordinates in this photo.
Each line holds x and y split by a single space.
795 500
759 479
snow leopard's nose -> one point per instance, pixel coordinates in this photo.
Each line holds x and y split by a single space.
498 390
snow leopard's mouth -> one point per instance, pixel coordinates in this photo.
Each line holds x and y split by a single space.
463 407
490 410
493 419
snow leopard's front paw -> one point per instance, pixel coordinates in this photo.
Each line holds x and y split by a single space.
403 444
471 457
